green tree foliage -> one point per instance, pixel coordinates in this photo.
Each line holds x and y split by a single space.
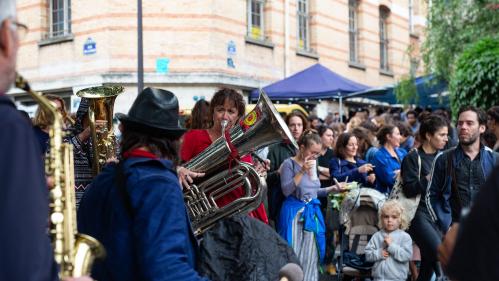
406 91
475 80
453 25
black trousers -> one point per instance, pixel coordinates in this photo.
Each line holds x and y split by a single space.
427 236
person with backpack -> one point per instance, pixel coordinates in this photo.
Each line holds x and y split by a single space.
458 173
415 171
136 207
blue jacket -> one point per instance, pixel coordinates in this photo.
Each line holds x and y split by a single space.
385 165
340 169
150 241
439 190
312 218
25 251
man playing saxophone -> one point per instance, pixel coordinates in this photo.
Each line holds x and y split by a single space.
25 248
136 207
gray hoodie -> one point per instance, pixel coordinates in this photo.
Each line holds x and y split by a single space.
396 266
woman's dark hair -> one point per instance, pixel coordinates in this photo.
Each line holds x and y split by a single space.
430 125
362 135
230 94
370 126
493 112
200 115
385 130
342 143
321 130
161 146
404 129
296 113
489 138
308 137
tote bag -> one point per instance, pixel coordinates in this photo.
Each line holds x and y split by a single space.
410 205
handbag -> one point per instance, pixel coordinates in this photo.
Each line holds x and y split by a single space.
410 205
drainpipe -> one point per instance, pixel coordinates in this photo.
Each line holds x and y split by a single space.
286 38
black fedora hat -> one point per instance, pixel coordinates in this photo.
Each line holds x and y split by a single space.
154 112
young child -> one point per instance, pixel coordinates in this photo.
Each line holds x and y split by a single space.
390 248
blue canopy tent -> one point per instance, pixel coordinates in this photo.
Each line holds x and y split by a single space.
431 92
315 82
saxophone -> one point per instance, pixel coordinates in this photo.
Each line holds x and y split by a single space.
74 252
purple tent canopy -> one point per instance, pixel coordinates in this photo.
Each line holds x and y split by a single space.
315 82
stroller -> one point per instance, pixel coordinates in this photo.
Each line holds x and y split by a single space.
359 220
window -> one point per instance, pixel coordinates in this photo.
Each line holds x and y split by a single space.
255 19
383 39
353 30
303 25
59 18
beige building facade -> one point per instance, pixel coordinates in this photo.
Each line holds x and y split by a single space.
193 47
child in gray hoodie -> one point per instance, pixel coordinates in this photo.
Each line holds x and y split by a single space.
390 248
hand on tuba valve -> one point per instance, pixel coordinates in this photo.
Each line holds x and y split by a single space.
186 177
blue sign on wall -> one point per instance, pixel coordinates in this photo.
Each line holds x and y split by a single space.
231 48
89 47
162 65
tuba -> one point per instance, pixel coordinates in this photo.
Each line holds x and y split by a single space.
74 252
100 107
261 127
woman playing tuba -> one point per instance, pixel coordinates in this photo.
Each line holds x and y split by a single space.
226 105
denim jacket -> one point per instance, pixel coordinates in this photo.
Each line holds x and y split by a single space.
439 189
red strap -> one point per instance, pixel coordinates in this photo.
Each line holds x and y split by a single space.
234 155
139 153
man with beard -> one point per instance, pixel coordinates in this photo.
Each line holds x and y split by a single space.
459 172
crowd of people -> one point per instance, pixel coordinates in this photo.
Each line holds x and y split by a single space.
135 205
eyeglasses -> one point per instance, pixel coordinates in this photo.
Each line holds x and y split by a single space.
22 30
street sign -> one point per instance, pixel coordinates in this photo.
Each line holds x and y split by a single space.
89 47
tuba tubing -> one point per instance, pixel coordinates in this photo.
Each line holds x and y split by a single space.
261 127
100 107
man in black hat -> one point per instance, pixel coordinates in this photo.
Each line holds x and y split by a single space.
136 207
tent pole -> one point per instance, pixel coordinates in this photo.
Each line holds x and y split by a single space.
341 109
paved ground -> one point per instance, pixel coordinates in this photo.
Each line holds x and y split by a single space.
327 277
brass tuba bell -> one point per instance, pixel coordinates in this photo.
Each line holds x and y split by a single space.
100 107
261 127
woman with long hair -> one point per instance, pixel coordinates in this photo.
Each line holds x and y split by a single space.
226 105
327 139
388 158
301 222
279 152
43 120
200 115
433 133
347 164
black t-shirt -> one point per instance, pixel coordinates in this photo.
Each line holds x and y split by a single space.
323 161
475 255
